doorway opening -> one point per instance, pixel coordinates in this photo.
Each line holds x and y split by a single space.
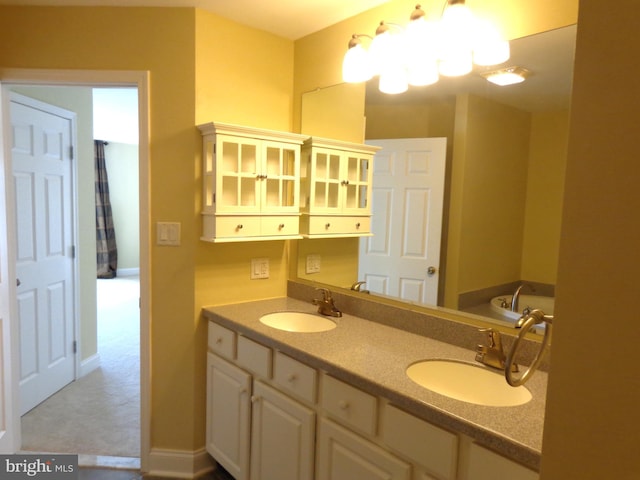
126 297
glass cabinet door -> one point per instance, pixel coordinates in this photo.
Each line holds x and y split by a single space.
325 189
279 178
237 160
355 184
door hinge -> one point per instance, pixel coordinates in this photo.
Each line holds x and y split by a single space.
74 346
214 148
214 198
71 152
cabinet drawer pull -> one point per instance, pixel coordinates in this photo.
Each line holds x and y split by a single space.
327 225
281 226
292 377
358 225
240 226
343 404
219 341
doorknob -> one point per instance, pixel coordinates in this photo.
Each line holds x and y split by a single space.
431 271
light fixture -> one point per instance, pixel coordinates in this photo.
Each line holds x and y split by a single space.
507 76
418 54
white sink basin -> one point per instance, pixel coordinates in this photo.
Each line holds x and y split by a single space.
467 382
298 322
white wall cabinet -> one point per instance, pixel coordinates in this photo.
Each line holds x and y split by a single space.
335 188
251 182
270 416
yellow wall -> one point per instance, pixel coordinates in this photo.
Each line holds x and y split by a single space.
592 416
489 166
545 189
241 75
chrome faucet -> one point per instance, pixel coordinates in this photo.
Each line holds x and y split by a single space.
325 304
516 295
493 355
357 287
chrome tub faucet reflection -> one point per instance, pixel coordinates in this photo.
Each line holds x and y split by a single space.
516 296
325 304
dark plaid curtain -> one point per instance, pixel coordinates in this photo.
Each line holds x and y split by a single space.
107 252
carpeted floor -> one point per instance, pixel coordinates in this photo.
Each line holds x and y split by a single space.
99 414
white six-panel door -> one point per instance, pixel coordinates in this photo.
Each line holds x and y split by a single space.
402 257
42 171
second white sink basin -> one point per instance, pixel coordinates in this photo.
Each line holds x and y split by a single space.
298 322
467 382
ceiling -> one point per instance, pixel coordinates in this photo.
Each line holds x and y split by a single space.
290 19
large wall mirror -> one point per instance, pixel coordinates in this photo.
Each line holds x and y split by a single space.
503 182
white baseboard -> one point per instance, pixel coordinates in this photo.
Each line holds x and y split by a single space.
179 463
89 365
127 272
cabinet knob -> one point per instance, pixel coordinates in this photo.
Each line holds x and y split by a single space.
343 404
358 225
345 182
240 226
327 225
281 226
291 377
255 398
219 341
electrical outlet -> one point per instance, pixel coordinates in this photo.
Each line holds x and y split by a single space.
259 268
313 264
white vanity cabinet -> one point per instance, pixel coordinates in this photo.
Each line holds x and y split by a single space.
251 183
335 188
271 416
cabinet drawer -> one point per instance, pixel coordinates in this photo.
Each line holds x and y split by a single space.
295 377
421 442
281 225
327 225
354 407
254 357
222 340
240 226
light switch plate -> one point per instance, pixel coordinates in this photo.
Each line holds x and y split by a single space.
259 268
313 264
168 233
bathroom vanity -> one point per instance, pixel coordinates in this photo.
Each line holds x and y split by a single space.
339 405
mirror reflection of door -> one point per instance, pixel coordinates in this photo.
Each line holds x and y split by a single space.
402 257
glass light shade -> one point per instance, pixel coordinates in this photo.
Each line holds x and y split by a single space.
455 39
507 76
489 47
420 42
393 81
379 52
356 67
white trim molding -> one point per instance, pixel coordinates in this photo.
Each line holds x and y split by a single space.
88 365
179 463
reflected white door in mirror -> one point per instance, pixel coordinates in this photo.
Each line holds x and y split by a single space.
402 257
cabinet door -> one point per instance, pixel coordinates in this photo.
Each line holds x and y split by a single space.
238 169
324 195
283 433
280 178
343 455
355 183
228 407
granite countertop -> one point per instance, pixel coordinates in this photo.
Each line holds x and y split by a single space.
374 357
